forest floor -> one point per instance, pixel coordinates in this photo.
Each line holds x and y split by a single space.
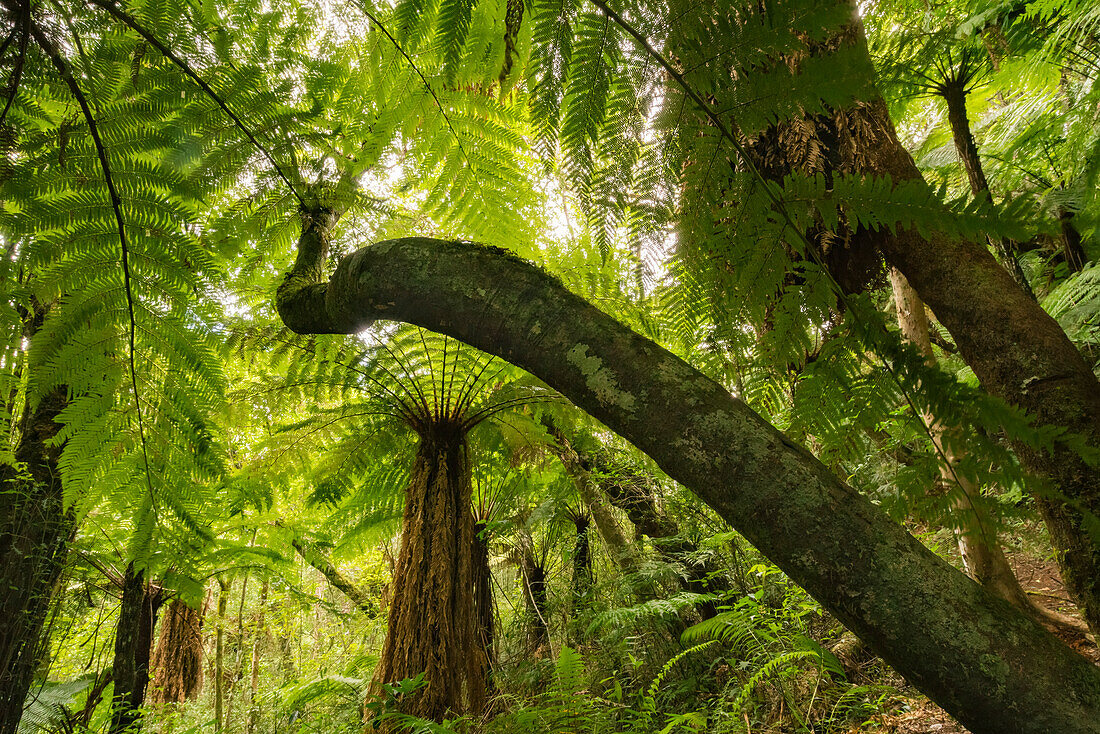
1040 577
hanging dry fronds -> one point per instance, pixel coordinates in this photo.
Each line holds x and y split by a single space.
177 662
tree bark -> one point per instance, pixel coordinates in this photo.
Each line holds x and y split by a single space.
954 94
35 531
974 654
975 531
432 625
137 619
484 610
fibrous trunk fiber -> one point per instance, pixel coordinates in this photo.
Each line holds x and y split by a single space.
432 624
177 662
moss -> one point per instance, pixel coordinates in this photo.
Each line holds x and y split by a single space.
599 379
995 669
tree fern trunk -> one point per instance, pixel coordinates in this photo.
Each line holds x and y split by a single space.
432 625
484 611
954 94
177 662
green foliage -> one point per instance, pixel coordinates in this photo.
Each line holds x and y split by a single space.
200 436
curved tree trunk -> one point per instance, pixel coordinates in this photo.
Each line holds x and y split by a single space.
989 666
432 625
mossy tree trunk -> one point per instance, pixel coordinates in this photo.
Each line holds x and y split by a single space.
974 654
432 622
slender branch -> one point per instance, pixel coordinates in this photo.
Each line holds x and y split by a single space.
132 22
17 72
116 206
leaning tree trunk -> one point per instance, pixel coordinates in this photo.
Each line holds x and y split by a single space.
1018 352
990 666
432 625
137 619
35 531
339 581
975 529
954 94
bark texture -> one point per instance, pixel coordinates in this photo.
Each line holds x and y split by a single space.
35 531
974 654
137 619
177 662
432 623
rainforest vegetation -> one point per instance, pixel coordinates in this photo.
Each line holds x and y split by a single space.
549 366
